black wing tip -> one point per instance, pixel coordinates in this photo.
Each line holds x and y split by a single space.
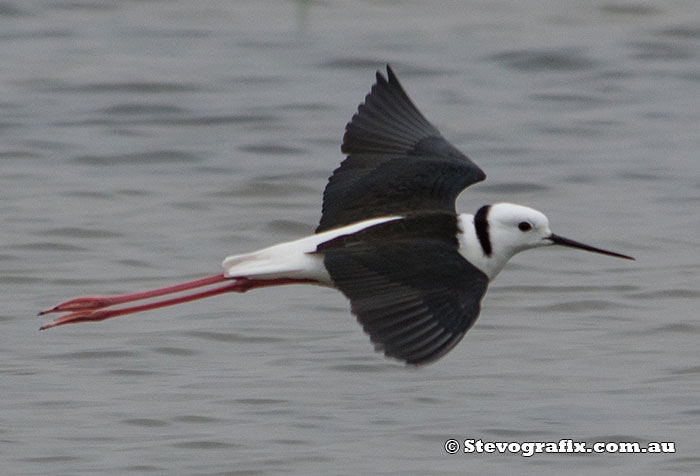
390 80
389 72
393 82
385 81
380 77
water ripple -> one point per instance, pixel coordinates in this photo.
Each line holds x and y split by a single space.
232 337
270 148
630 9
93 354
684 32
138 109
206 445
545 60
578 306
146 422
139 158
80 232
177 351
663 51
514 187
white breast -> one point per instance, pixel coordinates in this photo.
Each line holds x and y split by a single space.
471 249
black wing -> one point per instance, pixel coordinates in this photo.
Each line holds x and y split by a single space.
397 162
415 297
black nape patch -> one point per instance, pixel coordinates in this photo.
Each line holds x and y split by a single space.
481 225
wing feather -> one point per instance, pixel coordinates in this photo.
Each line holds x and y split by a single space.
415 297
396 162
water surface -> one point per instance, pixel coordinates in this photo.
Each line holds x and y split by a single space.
141 142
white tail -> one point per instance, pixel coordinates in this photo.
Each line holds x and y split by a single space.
293 259
286 260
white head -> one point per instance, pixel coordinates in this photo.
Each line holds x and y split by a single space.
511 228
501 230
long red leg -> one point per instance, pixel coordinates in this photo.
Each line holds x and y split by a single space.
90 303
99 314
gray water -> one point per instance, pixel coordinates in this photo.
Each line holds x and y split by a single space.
142 142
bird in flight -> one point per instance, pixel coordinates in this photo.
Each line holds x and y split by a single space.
389 238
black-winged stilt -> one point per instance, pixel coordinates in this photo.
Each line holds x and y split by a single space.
389 238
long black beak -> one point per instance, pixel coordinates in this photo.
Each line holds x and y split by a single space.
560 240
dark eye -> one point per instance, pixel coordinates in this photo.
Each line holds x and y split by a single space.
524 226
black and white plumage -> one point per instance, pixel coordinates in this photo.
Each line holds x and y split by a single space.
389 238
410 289
397 162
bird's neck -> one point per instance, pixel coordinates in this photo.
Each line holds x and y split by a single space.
473 250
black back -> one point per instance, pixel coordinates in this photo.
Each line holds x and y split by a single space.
397 162
409 287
